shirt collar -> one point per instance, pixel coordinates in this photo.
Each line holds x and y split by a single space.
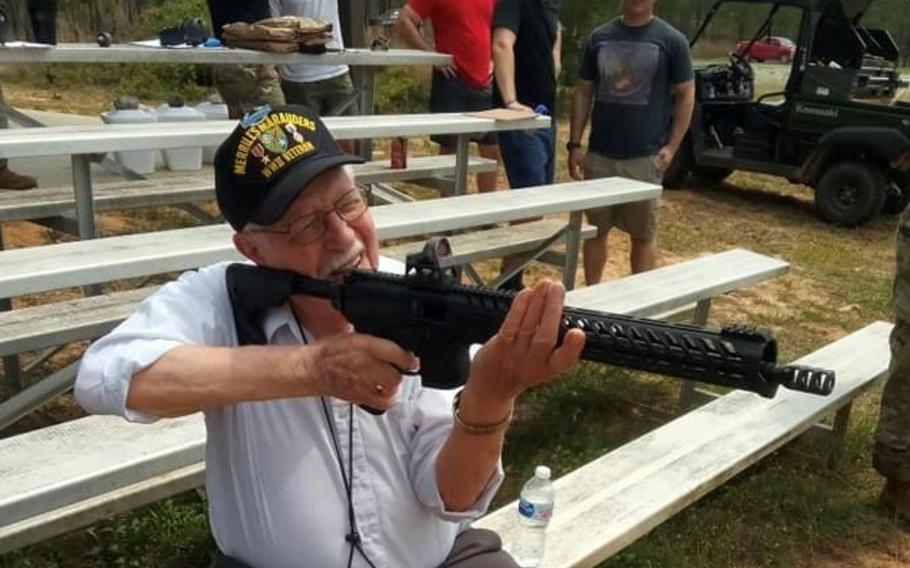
279 318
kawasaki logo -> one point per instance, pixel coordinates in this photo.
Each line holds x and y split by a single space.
817 111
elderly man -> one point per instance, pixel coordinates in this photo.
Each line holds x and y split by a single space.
645 95
297 473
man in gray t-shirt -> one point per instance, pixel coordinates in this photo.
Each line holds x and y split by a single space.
637 72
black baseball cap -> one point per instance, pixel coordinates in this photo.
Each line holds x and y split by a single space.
269 159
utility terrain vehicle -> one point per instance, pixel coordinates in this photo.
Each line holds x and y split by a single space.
836 127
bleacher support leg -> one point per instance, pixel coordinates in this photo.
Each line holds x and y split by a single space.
461 164
688 395
12 372
364 81
85 206
38 394
573 243
838 433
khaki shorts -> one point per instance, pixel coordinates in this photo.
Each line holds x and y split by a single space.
639 218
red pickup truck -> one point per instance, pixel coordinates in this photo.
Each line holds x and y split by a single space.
773 48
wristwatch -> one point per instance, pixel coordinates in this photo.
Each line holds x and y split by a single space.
572 145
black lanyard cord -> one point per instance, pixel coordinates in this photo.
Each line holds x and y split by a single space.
354 536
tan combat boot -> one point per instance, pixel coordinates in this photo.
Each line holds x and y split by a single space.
895 500
11 180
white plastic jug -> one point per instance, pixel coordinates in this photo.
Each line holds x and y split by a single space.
180 159
126 111
213 109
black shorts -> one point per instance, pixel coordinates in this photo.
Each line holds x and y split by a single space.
453 95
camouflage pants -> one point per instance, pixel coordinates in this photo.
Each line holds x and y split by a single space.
891 456
244 87
4 123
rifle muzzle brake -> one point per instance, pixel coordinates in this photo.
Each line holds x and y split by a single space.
801 378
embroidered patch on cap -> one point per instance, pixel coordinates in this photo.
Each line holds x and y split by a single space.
272 142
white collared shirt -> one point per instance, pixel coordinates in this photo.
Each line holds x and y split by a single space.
276 496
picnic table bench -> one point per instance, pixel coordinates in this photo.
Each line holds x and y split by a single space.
60 478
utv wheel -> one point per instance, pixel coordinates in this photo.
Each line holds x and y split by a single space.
676 174
898 194
851 193
710 174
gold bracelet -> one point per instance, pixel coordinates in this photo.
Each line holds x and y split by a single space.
477 429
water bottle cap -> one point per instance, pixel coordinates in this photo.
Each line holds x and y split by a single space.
542 471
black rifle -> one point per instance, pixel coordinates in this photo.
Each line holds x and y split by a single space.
429 313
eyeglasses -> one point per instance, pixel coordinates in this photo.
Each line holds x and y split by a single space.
311 227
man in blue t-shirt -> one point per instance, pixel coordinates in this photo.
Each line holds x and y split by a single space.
637 72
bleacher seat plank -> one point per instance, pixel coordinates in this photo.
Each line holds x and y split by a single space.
491 243
704 277
125 194
47 325
102 506
97 139
173 190
37 269
21 486
121 452
419 167
607 504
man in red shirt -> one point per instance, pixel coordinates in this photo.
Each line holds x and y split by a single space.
461 28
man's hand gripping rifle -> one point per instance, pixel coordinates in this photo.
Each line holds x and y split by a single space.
428 312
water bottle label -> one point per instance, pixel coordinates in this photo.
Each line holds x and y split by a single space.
530 511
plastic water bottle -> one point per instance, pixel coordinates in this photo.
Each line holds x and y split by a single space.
535 507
